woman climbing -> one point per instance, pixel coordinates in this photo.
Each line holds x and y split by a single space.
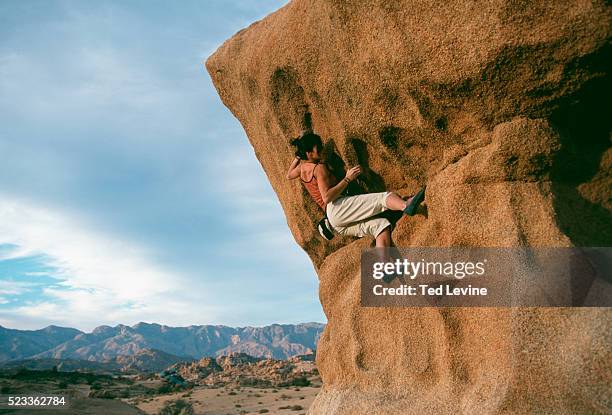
347 215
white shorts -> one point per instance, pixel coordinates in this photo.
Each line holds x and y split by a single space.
352 215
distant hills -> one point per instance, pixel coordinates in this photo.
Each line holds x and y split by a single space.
145 360
19 344
150 346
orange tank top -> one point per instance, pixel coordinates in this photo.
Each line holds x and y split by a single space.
313 188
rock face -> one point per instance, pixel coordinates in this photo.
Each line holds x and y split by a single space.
502 109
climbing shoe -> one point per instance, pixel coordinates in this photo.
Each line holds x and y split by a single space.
415 202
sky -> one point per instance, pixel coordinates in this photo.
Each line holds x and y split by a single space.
128 192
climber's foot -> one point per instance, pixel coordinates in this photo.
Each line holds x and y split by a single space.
414 202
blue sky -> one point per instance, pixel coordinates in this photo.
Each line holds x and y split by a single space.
128 192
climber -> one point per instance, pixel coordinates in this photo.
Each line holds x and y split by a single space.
346 215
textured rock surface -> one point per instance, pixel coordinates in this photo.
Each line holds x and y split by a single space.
502 108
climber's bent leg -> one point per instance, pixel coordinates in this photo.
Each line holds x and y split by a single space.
369 227
395 202
383 240
384 243
350 209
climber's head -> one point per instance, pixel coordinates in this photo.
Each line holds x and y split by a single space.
308 147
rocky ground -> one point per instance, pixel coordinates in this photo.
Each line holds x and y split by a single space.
236 384
227 400
239 369
80 392
233 384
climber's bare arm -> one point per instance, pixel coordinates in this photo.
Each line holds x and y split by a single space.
294 169
329 190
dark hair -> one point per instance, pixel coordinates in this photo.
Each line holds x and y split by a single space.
306 143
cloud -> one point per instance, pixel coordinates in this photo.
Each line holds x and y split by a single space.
15 287
102 277
89 257
241 183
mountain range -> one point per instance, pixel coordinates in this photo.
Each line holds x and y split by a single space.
145 360
106 343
